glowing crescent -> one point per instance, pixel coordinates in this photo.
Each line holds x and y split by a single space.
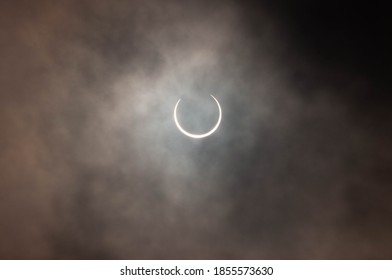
198 135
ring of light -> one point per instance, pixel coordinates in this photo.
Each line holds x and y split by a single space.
197 135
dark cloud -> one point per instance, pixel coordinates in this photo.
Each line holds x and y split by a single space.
93 167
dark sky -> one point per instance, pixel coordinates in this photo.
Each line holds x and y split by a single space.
92 165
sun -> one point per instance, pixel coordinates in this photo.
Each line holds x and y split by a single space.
198 135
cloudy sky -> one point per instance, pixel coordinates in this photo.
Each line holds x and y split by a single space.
92 165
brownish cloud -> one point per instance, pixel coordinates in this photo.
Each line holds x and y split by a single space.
93 167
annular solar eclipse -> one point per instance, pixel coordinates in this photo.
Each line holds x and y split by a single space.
192 135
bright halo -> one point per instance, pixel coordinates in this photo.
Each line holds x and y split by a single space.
197 135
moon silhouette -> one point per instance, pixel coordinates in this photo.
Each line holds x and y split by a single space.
198 135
